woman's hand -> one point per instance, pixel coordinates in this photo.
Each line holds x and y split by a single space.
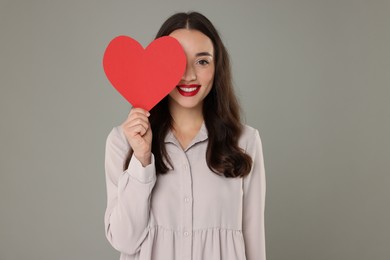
139 134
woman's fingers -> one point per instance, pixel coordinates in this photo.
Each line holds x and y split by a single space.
138 129
137 121
139 111
139 133
138 117
137 124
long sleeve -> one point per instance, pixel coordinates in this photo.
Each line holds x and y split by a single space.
128 195
254 203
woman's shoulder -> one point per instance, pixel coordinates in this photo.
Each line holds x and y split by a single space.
250 136
248 132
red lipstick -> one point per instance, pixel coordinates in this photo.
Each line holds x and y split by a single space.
188 90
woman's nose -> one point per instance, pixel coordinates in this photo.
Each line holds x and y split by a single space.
189 74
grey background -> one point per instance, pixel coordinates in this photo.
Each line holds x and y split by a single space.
312 76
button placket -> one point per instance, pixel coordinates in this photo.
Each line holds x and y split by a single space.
187 209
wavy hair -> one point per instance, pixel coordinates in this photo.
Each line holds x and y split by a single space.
221 110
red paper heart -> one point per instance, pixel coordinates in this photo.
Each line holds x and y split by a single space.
144 76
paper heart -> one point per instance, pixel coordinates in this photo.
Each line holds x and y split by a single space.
144 76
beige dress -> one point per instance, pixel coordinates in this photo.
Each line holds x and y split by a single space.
190 213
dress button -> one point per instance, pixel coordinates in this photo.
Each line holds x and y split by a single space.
186 167
186 234
186 199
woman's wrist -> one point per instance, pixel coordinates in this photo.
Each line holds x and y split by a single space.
145 159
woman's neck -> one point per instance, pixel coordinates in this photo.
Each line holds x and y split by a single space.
186 122
186 117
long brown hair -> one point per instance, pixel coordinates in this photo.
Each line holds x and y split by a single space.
221 110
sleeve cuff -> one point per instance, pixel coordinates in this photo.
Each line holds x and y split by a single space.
142 174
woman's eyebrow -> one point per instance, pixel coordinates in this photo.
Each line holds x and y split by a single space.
203 54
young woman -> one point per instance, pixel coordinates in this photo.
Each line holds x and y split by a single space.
186 181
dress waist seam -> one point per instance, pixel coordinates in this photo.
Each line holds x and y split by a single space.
195 230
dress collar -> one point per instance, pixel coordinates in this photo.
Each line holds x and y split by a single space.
201 136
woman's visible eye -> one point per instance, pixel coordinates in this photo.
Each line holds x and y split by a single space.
203 62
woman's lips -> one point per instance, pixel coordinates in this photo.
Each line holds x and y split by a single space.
188 90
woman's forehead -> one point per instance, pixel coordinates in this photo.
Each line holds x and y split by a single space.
193 41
